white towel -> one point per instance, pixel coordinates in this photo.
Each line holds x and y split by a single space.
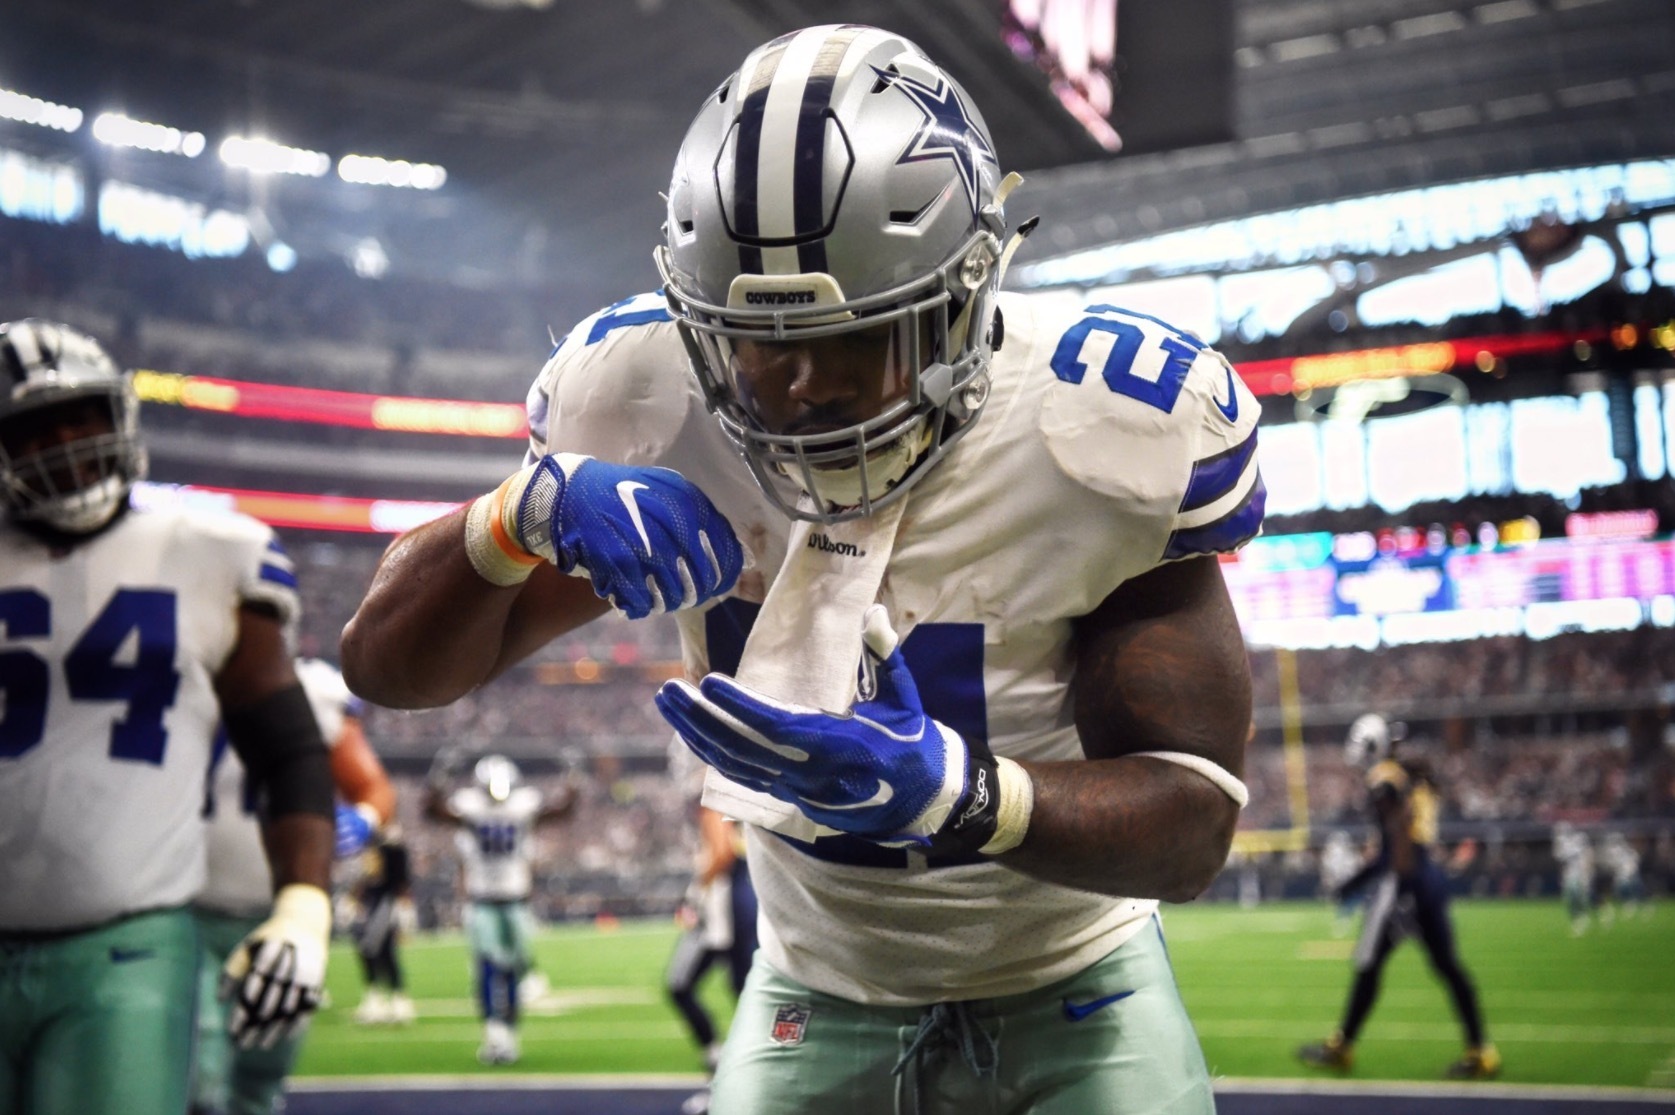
806 644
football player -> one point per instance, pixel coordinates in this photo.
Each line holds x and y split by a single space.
129 637
497 816
1407 894
238 891
384 913
1575 853
718 918
980 689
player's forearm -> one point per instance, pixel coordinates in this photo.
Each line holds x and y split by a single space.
430 628
299 847
1130 827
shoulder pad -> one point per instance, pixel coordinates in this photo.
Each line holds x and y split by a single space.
1387 775
262 568
1146 412
617 386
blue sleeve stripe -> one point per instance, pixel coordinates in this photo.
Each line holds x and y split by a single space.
1214 477
355 707
279 576
1227 533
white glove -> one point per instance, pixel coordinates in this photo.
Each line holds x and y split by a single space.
274 977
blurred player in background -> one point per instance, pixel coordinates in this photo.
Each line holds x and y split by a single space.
129 637
1339 863
1407 894
238 891
1628 890
497 816
1575 853
383 914
983 691
719 919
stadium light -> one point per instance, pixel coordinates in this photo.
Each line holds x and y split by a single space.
32 110
117 130
281 256
264 156
369 259
370 170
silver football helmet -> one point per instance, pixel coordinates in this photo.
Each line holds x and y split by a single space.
1371 739
53 377
834 241
497 775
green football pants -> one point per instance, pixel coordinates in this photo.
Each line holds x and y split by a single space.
99 1022
1113 1038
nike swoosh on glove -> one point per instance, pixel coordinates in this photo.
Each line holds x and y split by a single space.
273 978
883 771
647 538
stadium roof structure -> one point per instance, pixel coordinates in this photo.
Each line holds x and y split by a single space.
557 120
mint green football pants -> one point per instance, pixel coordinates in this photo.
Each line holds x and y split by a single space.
1114 1038
224 1077
99 1022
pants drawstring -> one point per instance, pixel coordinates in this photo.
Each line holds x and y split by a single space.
945 1024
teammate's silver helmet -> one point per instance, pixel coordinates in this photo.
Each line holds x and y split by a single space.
497 775
839 188
79 485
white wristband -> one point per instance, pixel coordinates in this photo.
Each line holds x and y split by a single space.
305 906
497 557
1224 781
1017 802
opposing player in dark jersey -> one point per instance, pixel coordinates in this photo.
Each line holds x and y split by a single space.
1407 894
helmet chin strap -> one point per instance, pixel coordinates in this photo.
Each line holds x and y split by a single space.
849 487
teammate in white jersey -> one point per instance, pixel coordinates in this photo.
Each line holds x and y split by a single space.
128 637
978 526
1575 853
497 817
238 890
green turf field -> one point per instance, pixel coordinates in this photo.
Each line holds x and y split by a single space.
1597 1009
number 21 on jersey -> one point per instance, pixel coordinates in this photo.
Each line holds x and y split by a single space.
1148 365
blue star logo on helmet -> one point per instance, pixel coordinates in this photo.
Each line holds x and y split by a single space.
947 133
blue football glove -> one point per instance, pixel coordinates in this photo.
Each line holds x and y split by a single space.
647 538
356 826
883 771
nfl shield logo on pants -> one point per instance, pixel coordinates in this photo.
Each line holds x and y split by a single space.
790 1021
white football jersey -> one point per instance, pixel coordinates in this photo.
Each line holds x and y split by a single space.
1110 443
497 842
238 879
110 708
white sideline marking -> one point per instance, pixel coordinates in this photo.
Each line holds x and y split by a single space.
1462 1090
1504 1033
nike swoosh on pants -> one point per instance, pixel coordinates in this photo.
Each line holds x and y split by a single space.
1075 1012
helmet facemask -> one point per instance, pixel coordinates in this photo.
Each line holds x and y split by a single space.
899 402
